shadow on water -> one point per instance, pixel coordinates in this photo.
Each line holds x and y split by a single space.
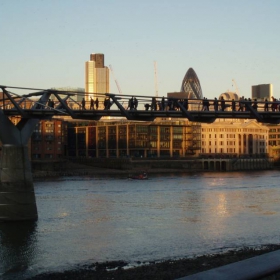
18 248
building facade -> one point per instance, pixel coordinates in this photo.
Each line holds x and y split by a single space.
233 137
176 138
96 77
262 92
54 139
48 140
274 141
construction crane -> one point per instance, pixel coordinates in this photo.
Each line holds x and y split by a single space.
117 84
155 76
236 87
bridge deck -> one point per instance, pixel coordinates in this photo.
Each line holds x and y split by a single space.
14 105
143 115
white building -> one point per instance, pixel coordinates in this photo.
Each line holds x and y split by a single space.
234 137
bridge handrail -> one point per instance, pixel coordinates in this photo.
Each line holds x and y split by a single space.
195 110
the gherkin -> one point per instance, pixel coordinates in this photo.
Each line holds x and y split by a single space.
191 85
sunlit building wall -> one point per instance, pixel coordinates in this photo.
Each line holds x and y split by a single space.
52 139
175 138
274 141
234 137
96 77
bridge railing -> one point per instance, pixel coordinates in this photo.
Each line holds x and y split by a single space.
144 108
133 102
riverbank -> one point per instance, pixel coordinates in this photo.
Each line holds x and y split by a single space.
167 270
69 168
121 167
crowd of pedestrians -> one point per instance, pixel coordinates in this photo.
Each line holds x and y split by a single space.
93 104
177 104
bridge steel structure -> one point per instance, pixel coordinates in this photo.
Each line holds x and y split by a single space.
17 197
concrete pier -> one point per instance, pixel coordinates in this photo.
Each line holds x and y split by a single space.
17 197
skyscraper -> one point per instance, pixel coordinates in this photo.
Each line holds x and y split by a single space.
191 85
261 92
96 77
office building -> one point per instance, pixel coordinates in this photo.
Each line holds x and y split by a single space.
96 77
122 138
262 92
191 85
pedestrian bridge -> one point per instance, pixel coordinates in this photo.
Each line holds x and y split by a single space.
17 198
36 106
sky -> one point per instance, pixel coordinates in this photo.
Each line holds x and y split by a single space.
45 43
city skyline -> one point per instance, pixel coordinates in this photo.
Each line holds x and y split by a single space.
46 44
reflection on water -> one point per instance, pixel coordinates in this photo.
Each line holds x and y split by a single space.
18 248
84 220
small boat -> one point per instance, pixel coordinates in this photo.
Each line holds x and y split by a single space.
140 176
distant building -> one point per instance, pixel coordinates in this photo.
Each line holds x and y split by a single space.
79 92
191 85
96 77
274 141
122 138
190 89
229 96
234 137
48 140
262 92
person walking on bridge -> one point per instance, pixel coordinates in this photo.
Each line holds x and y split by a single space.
255 104
154 104
130 103
274 104
204 104
266 105
96 103
223 104
135 103
163 104
91 104
233 105
83 104
241 104
216 104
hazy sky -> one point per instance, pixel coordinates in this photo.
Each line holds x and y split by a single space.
45 43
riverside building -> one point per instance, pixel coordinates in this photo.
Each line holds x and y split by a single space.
48 140
274 141
234 138
122 138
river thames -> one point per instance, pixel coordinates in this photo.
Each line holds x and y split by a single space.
169 216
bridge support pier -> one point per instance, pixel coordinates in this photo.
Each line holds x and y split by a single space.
17 197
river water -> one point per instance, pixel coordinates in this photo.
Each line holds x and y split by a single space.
169 216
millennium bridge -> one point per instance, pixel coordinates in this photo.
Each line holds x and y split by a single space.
19 114
17 198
